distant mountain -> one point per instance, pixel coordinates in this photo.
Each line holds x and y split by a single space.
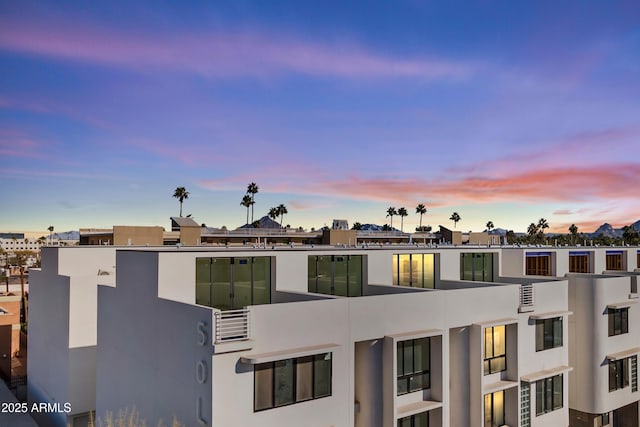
265 222
607 229
66 235
498 231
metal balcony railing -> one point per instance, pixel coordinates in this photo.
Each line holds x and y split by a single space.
231 325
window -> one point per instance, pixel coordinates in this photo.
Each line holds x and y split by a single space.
548 394
477 267
538 264
417 420
335 275
289 381
618 374
414 270
618 321
604 420
494 409
579 262
413 365
634 374
548 333
230 283
495 349
614 260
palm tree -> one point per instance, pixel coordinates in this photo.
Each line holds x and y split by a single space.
50 233
273 213
252 190
532 230
246 202
455 217
490 226
402 212
181 194
282 211
390 213
573 229
542 225
421 209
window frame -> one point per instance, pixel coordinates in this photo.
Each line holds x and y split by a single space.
546 394
549 329
488 360
478 276
412 420
493 420
534 265
620 316
407 377
618 374
294 385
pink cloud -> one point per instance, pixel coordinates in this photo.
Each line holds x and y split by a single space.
215 54
562 212
576 184
14 143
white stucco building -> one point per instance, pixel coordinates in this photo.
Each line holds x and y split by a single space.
325 336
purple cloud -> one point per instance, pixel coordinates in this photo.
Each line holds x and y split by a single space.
216 54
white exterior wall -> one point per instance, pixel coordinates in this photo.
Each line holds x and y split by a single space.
550 297
590 343
147 337
62 328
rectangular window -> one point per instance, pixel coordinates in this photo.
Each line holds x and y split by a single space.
495 349
339 275
231 283
413 365
494 414
548 394
618 374
614 260
538 263
289 381
579 262
417 420
548 333
413 270
618 321
476 266
604 420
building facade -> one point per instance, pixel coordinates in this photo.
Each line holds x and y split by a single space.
399 335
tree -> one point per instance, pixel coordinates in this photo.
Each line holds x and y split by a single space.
246 202
455 217
532 232
273 213
421 209
490 226
391 211
252 190
282 211
573 229
50 233
630 235
356 226
402 212
542 225
181 194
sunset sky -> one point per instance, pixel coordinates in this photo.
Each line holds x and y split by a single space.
499 110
